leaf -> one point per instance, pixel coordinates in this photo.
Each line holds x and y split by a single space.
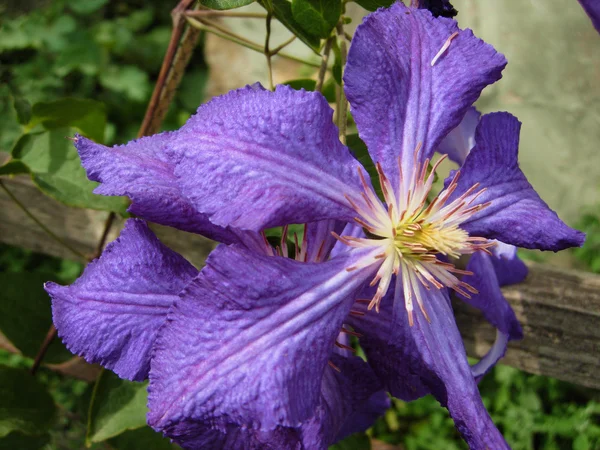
282 9
23 110
225 4
141 439
310 85
372 5
26 405
130 81
317 17
117 406
13 168
26 314
56 169
87 7
87 116
23 442
358 441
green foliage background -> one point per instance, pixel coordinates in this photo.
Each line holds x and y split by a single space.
110 51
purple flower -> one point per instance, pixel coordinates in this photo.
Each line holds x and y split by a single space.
251 352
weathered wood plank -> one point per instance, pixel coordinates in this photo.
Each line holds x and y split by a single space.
559 309
560 313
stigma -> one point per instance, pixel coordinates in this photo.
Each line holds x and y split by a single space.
414 238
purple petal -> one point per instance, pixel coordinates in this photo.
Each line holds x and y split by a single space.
429 357
516 215
398 99
459 142
255 159
143 171
592 8
490 300
320 241
112 313
249 340
508 267
350 403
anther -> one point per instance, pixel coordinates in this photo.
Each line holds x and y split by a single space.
444 48
334 367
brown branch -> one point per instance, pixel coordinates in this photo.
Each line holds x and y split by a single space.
324 63
43 349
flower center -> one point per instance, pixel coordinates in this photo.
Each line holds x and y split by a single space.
413 239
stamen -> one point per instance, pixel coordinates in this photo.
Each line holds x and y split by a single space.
444 48
334 367
351 333
345 347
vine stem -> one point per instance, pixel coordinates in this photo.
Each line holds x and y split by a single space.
343 103
324 63
244 42
212 12
40 224
268 52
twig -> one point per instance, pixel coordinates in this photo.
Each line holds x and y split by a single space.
40 224
282 46
107 226
342 104
268 52
212 12
324 63
43 349
241 41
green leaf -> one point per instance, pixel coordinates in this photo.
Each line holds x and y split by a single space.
56 168
23 110
130 81
141 439
87 116
117 406
358 441
87 7
26 314
336 70
372 5
26 405
361 153
310 85
23 442
317 17
13 168
282 9
225 4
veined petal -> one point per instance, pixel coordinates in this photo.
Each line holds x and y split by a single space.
255 159
112 313
249 340
592 8
143 171
516 214
320 241
428 357
459 142
404 92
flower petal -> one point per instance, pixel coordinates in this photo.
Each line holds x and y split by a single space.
320 241
516 215
112 313
592 8
459 142
255 159
143 171
437 7
249 340
428 357
398 98
507 265
496 310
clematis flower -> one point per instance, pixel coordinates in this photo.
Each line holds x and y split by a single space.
249 353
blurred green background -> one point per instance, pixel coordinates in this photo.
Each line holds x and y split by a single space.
111 51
